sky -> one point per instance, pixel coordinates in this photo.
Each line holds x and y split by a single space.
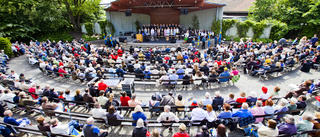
106 1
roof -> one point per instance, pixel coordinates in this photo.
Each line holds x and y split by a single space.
235 5
145 6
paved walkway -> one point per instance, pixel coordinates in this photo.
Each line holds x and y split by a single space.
246 83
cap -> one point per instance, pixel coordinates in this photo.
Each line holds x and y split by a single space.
194 101
264 89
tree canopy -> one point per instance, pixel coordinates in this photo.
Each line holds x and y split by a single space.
301 16
28 19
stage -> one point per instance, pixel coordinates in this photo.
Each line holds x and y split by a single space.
162 42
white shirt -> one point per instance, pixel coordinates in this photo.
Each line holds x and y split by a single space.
8 97
198 114
212 114
264 96
69 97
207 101
60 129
167 116
102 100
98 112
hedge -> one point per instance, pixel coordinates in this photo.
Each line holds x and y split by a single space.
5 45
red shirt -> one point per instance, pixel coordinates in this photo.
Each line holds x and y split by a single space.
102 86
193 104
179 134
33 90
120 52
61 97
62 71
124 100
241 100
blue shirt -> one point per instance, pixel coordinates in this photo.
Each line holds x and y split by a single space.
11 120
225 115
224 74
180 71
95 129
242 113
137 115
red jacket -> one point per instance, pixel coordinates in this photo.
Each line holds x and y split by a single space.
179 134
33 90
62 71
102 86
120 52
124 100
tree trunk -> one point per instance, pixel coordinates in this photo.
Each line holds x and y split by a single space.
76 25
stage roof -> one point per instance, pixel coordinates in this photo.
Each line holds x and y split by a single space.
145 6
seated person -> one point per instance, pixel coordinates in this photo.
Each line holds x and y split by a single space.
154 103
167 116
231 99
242 98
46 105
182 131
26 100
281 107
138 113
226 113
289 127
302 88
264 68
179 102
199 114
78 96
133 102
301 104
43 126
251 100
292 104
243 112
139 130
89 130
164 79
10 120
265 95
268 108
112 116
257 110
305 124
64 129
102 99
270 130
124 99
225 73
97 111
217 101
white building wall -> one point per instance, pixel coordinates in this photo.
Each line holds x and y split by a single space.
205 18
124 23
233 32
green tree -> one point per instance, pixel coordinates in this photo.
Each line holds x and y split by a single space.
216 26
262 9
195 22
78 10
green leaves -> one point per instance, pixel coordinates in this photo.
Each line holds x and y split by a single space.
227 24
195 22
5 45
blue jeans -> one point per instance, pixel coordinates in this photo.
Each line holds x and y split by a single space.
73 125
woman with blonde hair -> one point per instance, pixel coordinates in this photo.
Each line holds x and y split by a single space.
210 111
155 133
137 114
112 101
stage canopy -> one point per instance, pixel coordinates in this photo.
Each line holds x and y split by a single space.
124 13
147 6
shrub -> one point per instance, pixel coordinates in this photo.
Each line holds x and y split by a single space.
243 28
216 26
227 24
258 28
111 28
89 28
103 24
5 45
56 36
